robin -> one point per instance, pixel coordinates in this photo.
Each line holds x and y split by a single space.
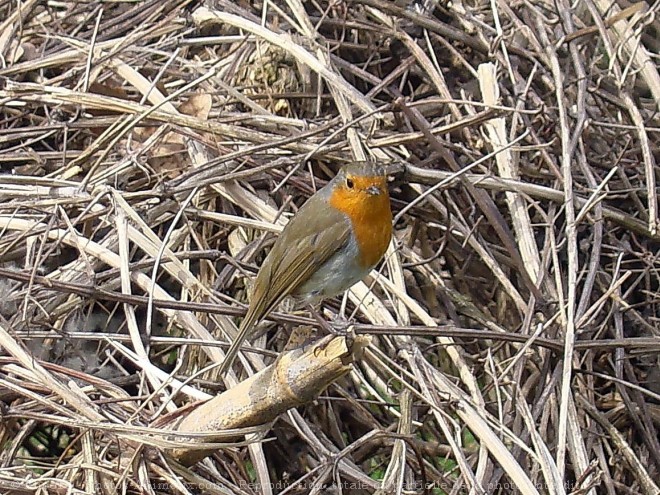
333 241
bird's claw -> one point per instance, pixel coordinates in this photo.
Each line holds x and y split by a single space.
341 327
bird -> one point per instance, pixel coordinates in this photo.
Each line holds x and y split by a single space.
337 236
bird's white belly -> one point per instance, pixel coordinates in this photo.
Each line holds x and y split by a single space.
337 274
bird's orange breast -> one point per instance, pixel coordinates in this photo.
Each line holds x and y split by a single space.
371 220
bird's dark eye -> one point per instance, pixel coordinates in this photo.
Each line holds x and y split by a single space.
349 183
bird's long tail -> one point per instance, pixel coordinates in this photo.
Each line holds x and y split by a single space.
251 319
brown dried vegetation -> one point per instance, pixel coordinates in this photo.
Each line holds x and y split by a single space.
149 149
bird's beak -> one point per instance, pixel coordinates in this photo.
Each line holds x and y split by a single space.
374 190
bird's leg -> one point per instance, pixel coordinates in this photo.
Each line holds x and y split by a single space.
339 327
341 324
319 317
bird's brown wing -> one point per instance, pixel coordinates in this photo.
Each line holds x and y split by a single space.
310 238
306 243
